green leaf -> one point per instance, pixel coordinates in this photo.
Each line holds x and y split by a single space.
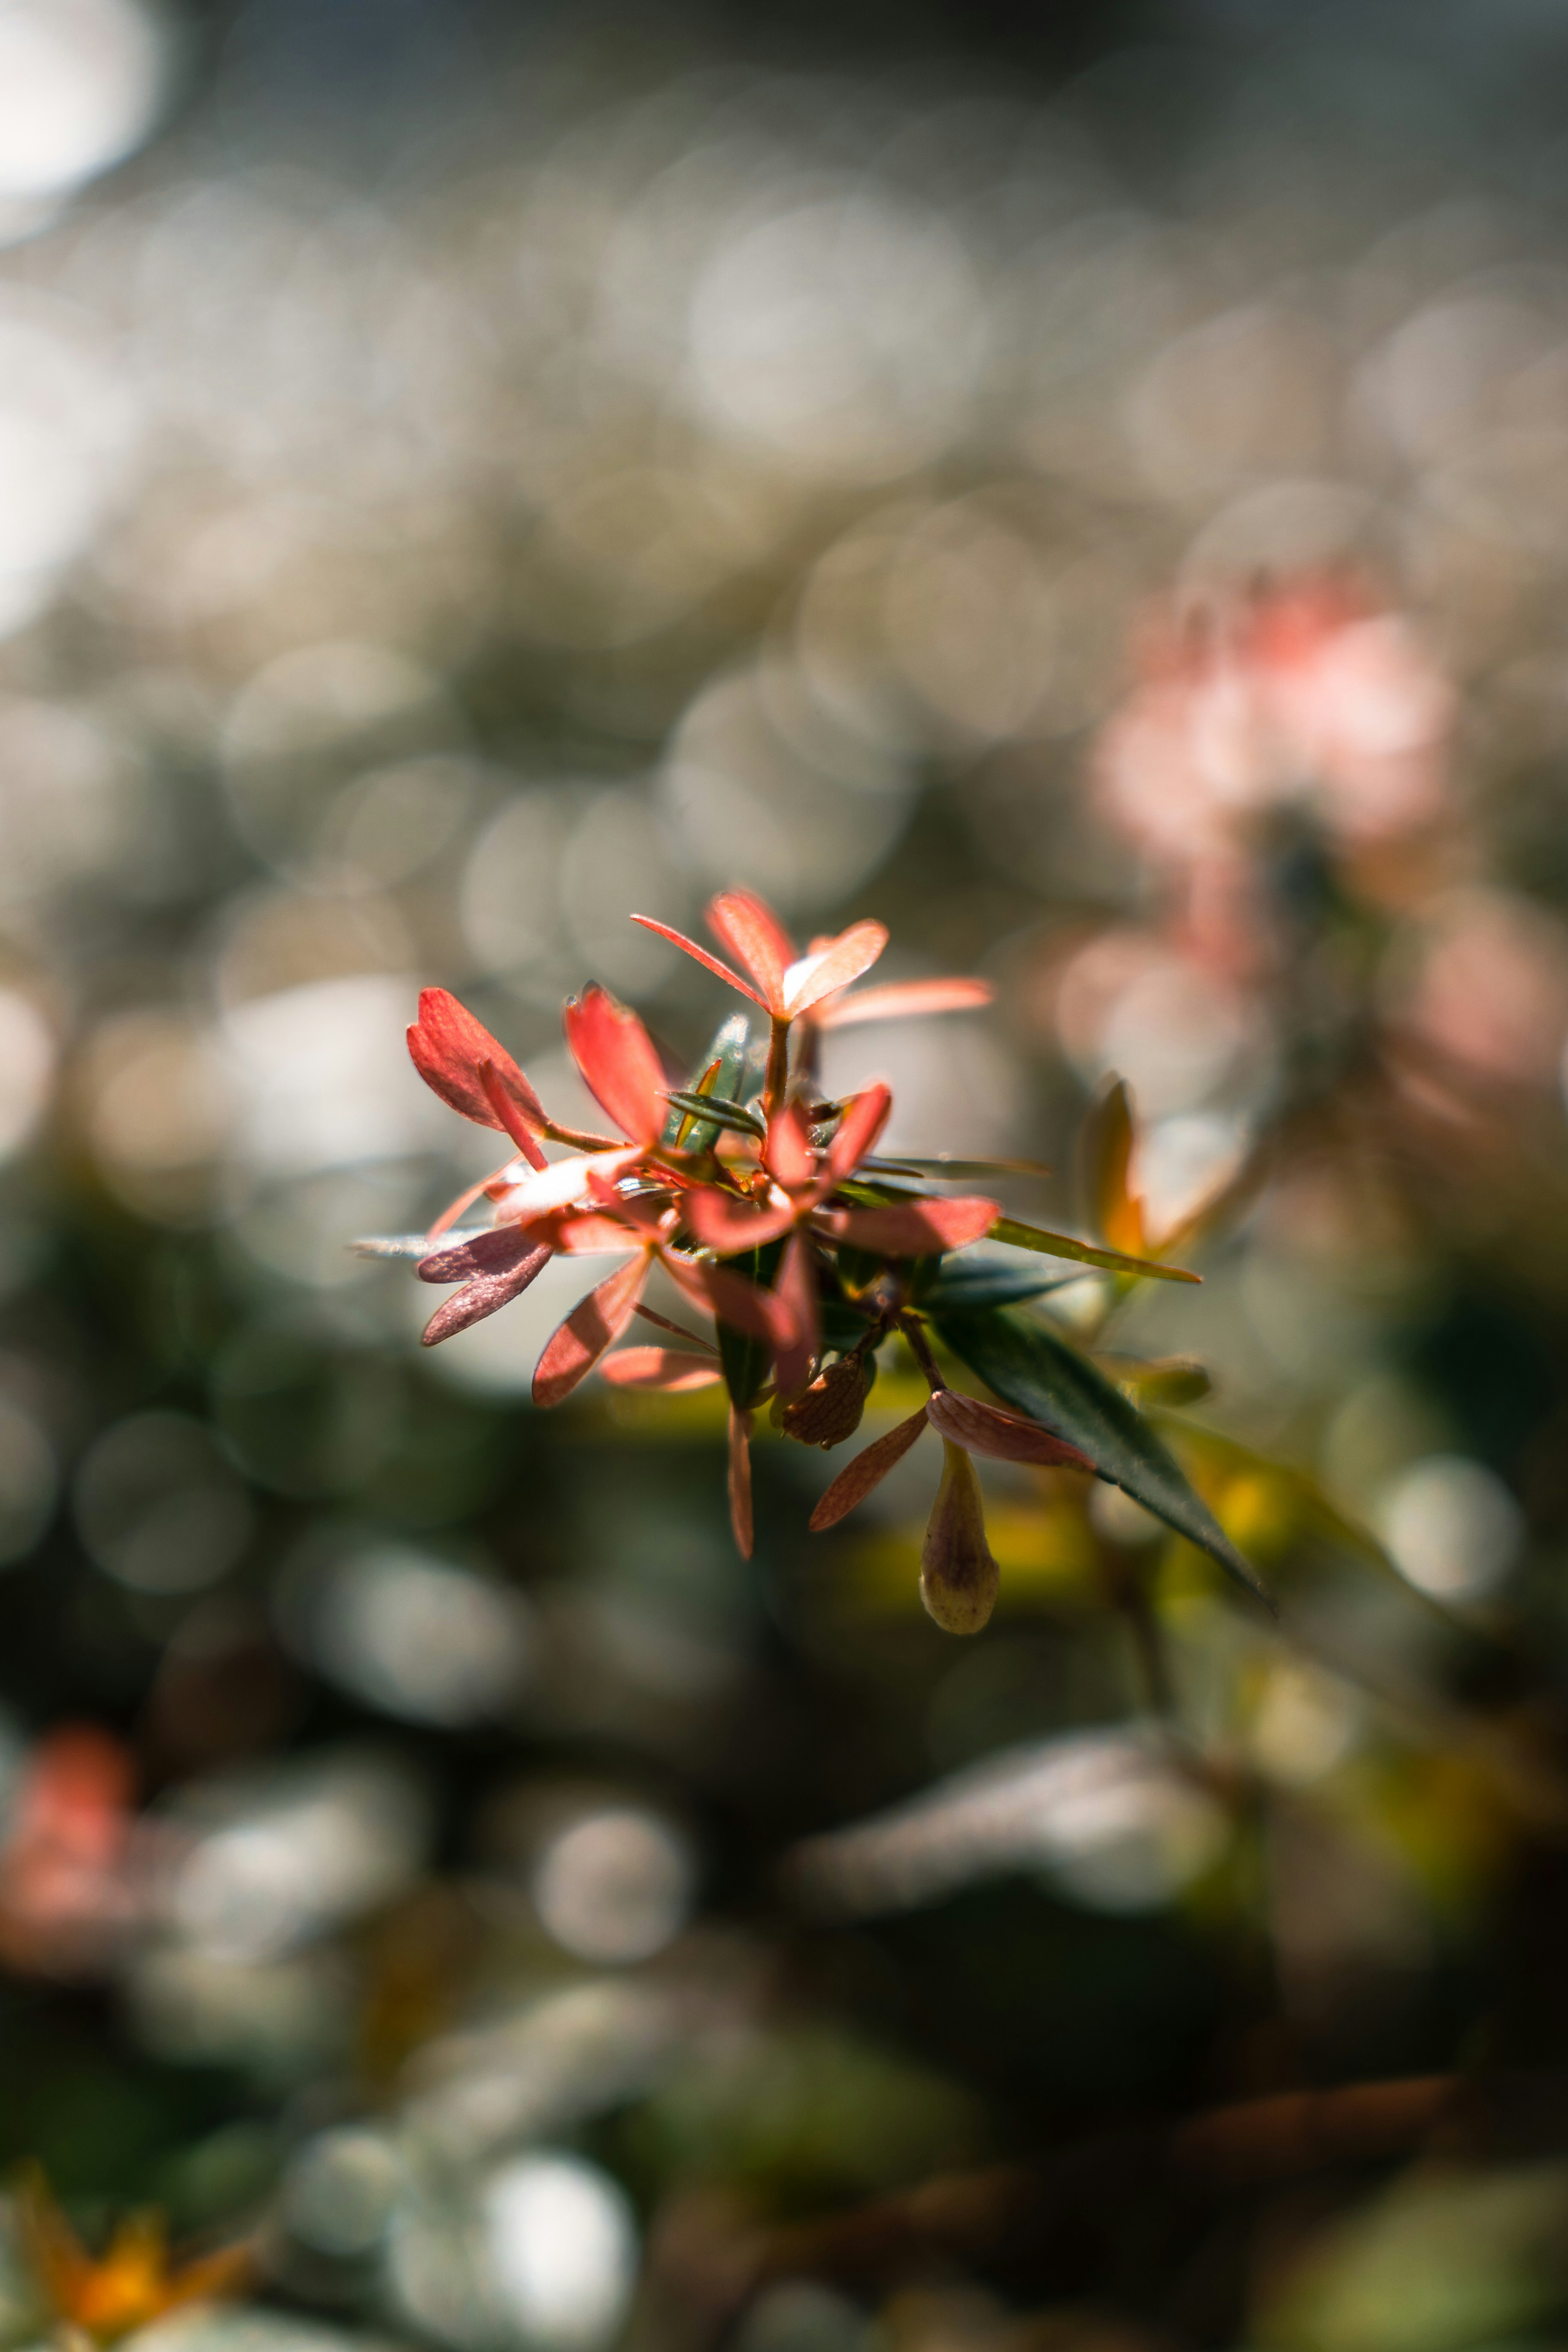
842 1326
1034 1237
944 1164
1030 1369
968 1281
1160 1380
707 1113
720 1076
746 1362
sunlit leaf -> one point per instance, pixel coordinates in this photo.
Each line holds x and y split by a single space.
1164 1379
713 1116
720 1077
1031 1368
1105 1143
1034 1237
947 1164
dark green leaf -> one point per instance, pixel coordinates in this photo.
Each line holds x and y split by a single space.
718 1075
712 1113
1034 1237
842 1326
1031 1368
1162 1380
967 1281
746 1362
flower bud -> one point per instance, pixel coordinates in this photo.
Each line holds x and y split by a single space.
958 1575
829 1411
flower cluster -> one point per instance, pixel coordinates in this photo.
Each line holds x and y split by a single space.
771 1210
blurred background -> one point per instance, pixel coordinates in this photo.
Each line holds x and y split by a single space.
1088 487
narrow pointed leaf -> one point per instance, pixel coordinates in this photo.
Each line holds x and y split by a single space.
869 1469
669 1370
487 1292
755 936
680 939
1000 1436
915 1229
619 1060
1106 1149
946 1164
1029 1368
975 1280
447 1045
496 1250
834 966
714 1115
590 1330
911 999
720 1077
746 1355
411 1245
726 1225
865 1116
1034 1237
740 1479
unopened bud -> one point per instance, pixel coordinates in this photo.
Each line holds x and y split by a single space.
958 1575
829 1411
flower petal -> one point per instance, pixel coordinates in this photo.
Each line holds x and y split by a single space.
723 1223
617 1058
1002 1436
900 999
670 1369
834 966
488 1290
958 1575
449 1047
755 936
915 1228
590 1328
869 1469
680 939
741 1480
865 1117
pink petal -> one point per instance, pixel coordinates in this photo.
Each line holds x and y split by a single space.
916 1228
588 1331
741 1480
721 1223
869 1469
1003 1436
911 998
492 1286
448 1046
787 1154
835 965
617 1058
680 939
755 936
858 1131
670 1369
795 1289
